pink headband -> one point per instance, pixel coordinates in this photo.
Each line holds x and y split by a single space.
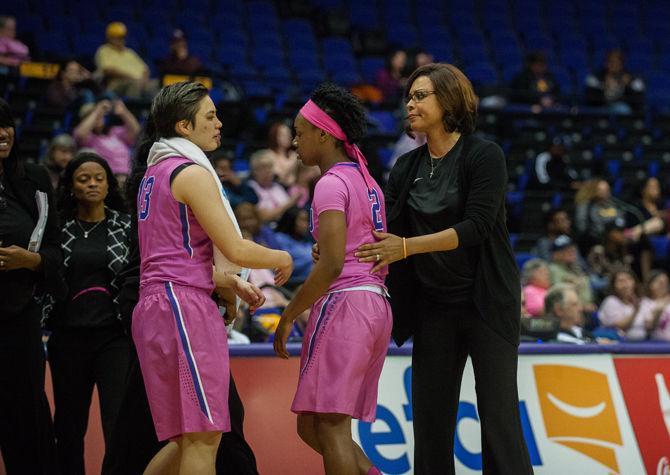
318 118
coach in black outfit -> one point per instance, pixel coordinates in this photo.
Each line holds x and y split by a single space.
453 279
26 434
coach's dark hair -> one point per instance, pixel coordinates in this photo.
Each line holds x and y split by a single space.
343 108
67 203
454 93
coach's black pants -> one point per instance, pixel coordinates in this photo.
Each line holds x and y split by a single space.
445 336
26 432
134 443
79 359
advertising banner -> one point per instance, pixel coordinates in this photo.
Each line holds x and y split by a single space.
572 411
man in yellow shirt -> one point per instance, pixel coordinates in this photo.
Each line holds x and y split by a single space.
124 72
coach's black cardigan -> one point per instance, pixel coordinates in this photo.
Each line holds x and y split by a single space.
497 287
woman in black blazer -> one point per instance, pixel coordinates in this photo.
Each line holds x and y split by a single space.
30 262
453 279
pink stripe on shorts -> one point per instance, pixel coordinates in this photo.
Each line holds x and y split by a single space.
343 353
182 346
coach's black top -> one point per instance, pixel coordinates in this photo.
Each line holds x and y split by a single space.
435 204
478 206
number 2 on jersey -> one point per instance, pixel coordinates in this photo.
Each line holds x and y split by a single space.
376 208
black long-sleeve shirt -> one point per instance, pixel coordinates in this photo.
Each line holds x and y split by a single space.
482 233
17 221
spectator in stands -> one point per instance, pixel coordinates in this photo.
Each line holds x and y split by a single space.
563 303
422 58
305 180
391 79
536 280
648 210
72 87
564 269
250 224
292 235
12 51
280 142
450 305
625 309
236 191
112 143
88 345
594 209
610 256
249 218
535 84
26 272
614 87
658 290
273 200
123 71
60 152
552 169
556 222
180 60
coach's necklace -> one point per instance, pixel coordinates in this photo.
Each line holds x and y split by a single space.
86 233
434 167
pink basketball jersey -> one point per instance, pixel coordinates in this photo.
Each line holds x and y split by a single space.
173 245
343 188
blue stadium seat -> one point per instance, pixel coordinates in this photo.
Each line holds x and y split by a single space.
334 64
640 62
661 245
122 13
86 44
156 48
299 60
370 66
201 49
29 24
383 122
345 77
482 74
233 38
336 46
364 16
564 80
403 35
54 43
304 45
522 258
230 55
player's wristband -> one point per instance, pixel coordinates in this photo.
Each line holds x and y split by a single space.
404 248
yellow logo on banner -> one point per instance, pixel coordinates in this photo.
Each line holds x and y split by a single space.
578 411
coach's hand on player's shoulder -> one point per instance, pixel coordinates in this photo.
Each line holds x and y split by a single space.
386 250
315 253
281 337
284 270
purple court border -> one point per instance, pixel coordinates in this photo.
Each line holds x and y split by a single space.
646 348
